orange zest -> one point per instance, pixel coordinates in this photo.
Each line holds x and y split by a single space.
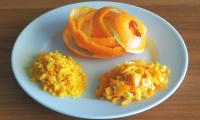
132 81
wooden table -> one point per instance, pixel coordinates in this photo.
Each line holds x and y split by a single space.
183 14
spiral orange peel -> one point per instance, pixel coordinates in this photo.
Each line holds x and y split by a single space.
103 33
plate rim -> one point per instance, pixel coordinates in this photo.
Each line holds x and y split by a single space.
107 116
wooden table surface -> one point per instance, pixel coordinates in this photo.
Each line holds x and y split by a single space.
183 14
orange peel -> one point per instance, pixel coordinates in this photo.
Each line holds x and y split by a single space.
97 34
99 28
77 50
129 32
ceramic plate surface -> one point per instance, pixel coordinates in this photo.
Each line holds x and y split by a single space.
165 45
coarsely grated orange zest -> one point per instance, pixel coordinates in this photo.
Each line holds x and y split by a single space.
132 80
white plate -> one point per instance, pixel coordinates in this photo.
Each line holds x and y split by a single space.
44 34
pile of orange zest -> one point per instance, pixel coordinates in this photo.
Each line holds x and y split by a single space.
132 81
59 75
103 33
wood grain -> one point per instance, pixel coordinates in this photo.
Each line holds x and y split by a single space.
183 14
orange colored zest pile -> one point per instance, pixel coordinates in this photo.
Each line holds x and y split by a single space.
132 81
103 33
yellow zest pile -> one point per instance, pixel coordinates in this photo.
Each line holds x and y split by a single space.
132 80
59 75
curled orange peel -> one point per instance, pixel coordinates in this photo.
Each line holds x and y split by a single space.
99 28
74 48
103 33
84 24
85 42
129 32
